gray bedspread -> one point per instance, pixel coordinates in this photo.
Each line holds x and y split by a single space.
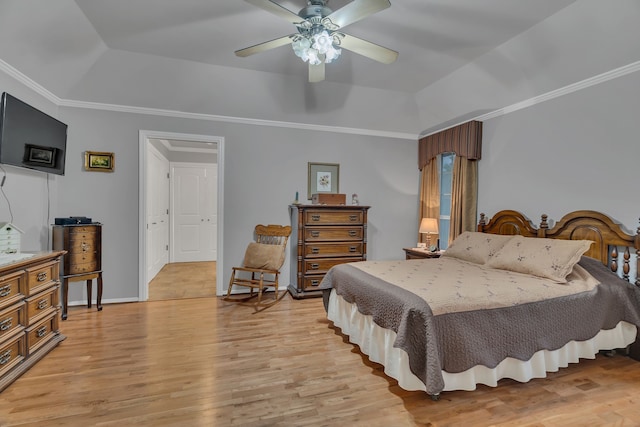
455 342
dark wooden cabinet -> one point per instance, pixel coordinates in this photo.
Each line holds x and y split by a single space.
29 310
323 236
83 261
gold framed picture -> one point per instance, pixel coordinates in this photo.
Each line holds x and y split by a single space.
97 161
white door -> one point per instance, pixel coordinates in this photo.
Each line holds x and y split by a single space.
195 212
157 212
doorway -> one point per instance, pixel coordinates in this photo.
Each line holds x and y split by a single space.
155 222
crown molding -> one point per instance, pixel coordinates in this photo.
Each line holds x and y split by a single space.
574 87
12 72
229 119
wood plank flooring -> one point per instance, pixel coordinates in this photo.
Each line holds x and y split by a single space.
184 280
207 362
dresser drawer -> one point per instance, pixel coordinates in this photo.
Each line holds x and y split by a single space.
40 333
41 277
12 353
310 283
82 229
87 267
338 249
78 246
12 319
42 304
82 258
322 265
12 288
328 233
314 217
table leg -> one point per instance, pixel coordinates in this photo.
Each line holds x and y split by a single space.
89 293
99 300
65 293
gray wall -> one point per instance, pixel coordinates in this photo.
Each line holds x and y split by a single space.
579 151
264 167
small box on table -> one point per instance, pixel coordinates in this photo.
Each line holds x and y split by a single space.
328 199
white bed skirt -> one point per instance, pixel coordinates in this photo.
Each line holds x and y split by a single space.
377 343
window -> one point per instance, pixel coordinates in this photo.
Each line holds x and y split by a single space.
445 171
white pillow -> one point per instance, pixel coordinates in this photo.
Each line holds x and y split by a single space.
476 247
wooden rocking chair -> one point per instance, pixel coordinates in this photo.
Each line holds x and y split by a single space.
261 266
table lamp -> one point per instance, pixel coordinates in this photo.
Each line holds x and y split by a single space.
429 226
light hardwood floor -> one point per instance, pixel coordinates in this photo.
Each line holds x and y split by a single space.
184 280
207 362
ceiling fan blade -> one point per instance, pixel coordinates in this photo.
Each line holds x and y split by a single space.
357 10
368 49
316 73
271 44
276 9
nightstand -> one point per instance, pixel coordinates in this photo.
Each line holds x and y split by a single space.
417 253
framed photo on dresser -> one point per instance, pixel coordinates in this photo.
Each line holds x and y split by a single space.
323 178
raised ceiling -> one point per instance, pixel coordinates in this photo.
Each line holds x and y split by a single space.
456 58
433 37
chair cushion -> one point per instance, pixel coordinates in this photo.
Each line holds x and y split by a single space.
260 255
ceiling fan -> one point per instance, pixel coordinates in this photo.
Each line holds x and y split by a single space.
318 40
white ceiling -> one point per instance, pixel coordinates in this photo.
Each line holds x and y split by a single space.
458 59
433 37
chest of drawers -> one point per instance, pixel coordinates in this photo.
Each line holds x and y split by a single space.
83 261
29 311
324 236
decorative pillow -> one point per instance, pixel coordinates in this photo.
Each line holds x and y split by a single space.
476 247
268 257
549 258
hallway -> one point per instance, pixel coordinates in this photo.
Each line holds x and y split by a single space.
182 280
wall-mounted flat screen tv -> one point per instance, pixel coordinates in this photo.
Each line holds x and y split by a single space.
30 138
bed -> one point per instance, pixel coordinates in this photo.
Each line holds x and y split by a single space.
511 300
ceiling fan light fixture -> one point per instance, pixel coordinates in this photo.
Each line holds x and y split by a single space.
315 47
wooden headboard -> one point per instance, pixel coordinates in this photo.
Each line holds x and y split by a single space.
608 236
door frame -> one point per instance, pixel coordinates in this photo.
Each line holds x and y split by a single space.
144 136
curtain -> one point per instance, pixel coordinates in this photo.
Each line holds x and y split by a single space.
465 141
464 196
429 195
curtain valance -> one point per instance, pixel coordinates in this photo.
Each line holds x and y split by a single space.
464 140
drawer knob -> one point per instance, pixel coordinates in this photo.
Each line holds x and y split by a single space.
315 217
352 249
315 250
315 266
353 233
5 357
42 276
5 324
315 233
353 217
315 282
85 247
5 290
42 304
42 331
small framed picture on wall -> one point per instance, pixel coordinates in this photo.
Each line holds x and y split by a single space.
97 161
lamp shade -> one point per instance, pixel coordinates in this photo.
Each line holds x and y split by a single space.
429 226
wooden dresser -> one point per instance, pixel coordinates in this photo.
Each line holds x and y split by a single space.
83 261
29 309
323 236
